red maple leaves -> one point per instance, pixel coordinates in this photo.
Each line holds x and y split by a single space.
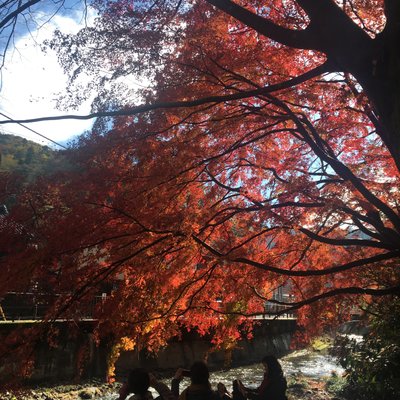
195 215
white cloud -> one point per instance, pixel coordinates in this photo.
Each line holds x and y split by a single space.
31 80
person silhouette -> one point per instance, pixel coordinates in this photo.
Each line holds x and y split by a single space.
273 386
199 388
138 384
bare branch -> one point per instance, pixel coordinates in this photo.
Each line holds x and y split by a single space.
17 11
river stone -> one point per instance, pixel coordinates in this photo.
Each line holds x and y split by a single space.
89 393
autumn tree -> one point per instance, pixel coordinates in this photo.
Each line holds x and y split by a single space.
266 153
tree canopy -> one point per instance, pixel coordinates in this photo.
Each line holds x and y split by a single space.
265 153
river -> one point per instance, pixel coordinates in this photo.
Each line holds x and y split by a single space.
305 363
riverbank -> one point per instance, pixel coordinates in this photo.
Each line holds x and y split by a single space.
309 389
311 375
88 390
300 388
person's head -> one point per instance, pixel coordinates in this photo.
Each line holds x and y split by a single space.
199 373
237 393
138 381
221 388
272 367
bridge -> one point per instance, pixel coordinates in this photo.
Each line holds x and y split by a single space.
18 307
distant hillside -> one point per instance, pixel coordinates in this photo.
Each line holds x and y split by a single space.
28 158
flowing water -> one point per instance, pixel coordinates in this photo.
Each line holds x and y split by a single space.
304 362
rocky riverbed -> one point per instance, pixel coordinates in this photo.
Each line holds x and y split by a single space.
88 390
300 388
311 376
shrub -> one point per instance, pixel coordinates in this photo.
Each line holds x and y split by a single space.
373 364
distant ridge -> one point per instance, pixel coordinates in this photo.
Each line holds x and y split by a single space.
28 159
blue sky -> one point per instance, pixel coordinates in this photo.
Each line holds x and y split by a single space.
32 79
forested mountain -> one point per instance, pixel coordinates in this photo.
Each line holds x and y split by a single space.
27 158
22 162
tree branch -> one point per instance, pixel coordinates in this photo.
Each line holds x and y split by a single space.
18 11
352 290
99 277
315 272
348 242
300 39
184 103
341 169
394 290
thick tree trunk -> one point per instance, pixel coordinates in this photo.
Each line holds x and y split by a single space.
376 68
380 78
374 62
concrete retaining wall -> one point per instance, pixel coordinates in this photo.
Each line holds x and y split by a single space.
81 357
270 337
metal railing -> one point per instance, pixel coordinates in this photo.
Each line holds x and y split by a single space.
277 311
16 306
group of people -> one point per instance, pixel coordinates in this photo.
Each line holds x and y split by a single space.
273 386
